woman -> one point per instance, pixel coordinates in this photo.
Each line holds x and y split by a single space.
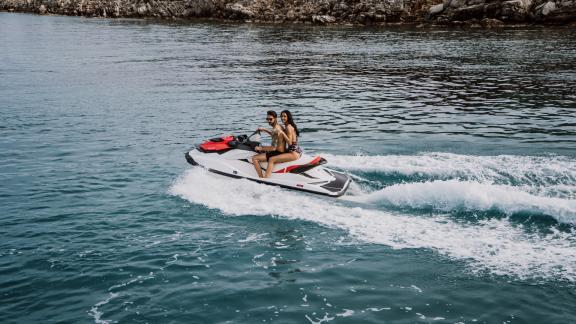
290 135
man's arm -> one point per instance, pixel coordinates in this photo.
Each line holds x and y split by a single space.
260 129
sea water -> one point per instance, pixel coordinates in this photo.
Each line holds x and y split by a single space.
461 144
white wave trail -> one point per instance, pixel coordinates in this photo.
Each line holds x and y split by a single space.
494 245
449 195
502 168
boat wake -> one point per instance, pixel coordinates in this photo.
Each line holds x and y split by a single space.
371 214
455 195
502 169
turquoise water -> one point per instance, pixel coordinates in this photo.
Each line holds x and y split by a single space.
461 144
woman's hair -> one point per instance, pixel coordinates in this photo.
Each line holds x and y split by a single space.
290 121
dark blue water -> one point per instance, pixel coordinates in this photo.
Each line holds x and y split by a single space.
461 144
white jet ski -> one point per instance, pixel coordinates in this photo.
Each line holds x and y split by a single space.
232 156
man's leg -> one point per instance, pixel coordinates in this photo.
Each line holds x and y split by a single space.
256 159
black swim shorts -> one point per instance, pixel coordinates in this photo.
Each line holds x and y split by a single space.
271 154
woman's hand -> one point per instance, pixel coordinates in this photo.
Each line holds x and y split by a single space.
281 133
258 148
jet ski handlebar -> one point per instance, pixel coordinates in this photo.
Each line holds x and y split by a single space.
245 140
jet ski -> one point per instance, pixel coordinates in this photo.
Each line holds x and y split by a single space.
232 156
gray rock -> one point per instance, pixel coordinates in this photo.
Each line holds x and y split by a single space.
42 10
323 19
515 10
142 10
457 3
342 6
548 8
434 10
526 4
239 10
491 23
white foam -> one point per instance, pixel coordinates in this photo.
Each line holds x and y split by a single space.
346 313
376 309
254 237
97 314
138 279
495 245
531 170
449 195
324 319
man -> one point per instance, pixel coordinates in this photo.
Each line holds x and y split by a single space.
278 143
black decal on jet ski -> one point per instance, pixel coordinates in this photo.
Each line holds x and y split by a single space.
338 183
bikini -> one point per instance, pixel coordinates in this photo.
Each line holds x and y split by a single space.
295 148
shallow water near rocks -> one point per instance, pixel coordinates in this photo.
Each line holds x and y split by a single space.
461 144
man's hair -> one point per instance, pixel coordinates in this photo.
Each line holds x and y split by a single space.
272 113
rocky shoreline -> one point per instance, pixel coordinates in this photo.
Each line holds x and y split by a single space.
486 13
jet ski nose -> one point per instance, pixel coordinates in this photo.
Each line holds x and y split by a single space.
189 159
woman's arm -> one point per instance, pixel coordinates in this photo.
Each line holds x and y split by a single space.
289 129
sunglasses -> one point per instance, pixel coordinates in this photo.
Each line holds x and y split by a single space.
269 119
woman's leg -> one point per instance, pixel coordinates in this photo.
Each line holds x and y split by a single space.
256 159
286 157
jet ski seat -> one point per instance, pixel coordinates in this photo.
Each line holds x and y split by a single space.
303 164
